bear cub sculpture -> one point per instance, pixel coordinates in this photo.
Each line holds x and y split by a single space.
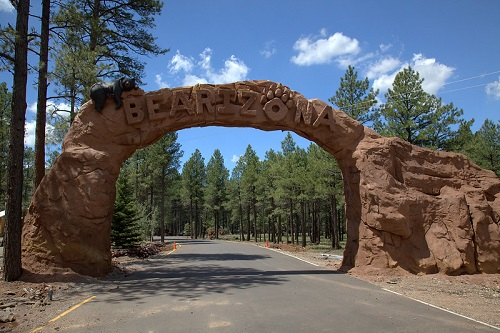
99 92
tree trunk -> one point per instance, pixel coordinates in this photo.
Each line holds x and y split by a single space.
162 208
254 210
242 232
216 218
12 235
280 240
196 220
248 223
304 239
191 217
41 113
335 231
291 221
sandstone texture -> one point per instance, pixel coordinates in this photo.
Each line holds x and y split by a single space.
417 209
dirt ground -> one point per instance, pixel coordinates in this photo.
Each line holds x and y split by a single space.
473 296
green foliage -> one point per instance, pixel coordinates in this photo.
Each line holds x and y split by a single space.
5 114
100 40
187 229
194 178
416 116
111 33
355 98
148 223
487 146
192 193
216 187
126 216
7 42
153 176
29 175
249 175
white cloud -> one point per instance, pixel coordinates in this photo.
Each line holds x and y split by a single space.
29 132
206 58
385 47
235 158
234 70
269 49
32 107
493 89
383 66
384 82
191 80
159 81
344 61
6 6
180 63
314 51
434 73
202 71
61 108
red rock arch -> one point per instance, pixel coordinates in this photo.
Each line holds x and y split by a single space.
408 207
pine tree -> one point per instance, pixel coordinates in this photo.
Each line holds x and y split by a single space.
101 40
487 146
215 190
193 182
416 116
41 114
249 178
5 114
235 202
354 98
124 227
12 235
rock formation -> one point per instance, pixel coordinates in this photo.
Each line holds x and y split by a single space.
409 207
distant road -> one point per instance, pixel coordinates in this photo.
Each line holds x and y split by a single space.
216 286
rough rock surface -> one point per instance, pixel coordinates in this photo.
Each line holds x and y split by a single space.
408 207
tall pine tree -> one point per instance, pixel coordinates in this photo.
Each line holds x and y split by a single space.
215 190
420 118
355 98
193 182
125 225
5 114
487 146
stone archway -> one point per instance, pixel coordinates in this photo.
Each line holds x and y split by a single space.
409 207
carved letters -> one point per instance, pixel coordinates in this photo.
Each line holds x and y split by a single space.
276 104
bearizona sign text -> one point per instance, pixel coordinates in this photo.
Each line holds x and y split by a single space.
407 207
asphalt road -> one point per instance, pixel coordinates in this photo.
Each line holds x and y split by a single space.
214 286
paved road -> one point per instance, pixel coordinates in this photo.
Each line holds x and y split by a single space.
212 286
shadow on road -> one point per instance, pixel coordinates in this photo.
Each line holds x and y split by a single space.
219 257
194 282
192 275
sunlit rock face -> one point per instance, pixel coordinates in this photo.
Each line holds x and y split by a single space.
408 207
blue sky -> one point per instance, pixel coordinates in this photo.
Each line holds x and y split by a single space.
307 45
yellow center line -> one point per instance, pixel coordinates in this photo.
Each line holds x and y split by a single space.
64 313
71 309
85 301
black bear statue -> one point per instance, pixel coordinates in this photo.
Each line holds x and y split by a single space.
100 91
